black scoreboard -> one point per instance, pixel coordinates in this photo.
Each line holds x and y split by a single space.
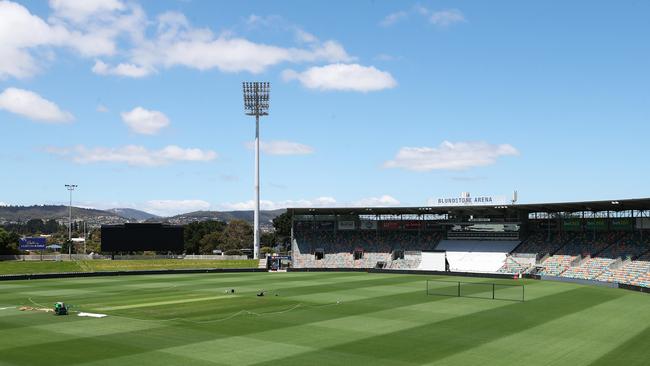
141 237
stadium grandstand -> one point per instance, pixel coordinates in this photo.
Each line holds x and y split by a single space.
606 241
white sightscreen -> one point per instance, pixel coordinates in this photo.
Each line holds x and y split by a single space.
432 261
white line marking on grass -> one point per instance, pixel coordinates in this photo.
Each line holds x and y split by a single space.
35 303
169 302
7 308
91 315
234 315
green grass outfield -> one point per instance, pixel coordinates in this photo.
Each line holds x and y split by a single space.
29 267
380 319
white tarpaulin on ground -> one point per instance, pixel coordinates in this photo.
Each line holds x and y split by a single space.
432 261
476 255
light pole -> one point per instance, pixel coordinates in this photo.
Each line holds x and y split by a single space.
256 103
70 188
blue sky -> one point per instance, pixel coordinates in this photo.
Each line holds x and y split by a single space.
372 102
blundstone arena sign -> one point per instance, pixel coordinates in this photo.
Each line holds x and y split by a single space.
470 201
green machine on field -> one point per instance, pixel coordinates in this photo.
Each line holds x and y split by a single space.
60 309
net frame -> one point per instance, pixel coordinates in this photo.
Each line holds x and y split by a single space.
492 290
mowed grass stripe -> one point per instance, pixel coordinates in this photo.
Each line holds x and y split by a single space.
168 302
567 339
634 351
143 341
266 348
390 322
31 267
391 318
462 333
105 295
286 292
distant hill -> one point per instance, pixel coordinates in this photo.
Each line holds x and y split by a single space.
265 216
119 215
46 212
133 214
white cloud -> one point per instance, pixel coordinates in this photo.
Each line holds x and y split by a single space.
79 11
140 46
144 121
92 34
440 18
276 22
133 155
450 156
305 37
382 201
325 201
271 205
282 148
349 77
393 18
19 31
3 204
177 43
264 20
175 207
122 69
199 50
102 108
31 105
445 18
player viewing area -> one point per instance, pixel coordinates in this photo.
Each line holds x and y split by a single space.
606 241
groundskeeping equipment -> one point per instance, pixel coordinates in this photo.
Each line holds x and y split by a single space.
481 290
60 309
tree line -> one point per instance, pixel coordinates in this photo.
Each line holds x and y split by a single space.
235 236
203 237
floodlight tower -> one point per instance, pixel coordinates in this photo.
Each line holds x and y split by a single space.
256 103
70 188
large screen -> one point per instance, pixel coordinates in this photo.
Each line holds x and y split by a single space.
141 237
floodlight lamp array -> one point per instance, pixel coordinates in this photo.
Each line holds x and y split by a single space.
256 97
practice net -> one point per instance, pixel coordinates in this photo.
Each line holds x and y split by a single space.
481 290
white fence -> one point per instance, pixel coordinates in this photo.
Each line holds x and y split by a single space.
76 257
216 257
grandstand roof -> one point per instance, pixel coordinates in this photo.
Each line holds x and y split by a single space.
609 205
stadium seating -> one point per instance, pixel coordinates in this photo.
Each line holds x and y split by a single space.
632 272
589 269
377 246
514 266
587 244
614 256
555 265
629 245
405 263
598 253
539 243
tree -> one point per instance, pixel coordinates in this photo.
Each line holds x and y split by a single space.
8 242
93 242
210 242
195 231
35 226
51 227
282 225
238 235
268 240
